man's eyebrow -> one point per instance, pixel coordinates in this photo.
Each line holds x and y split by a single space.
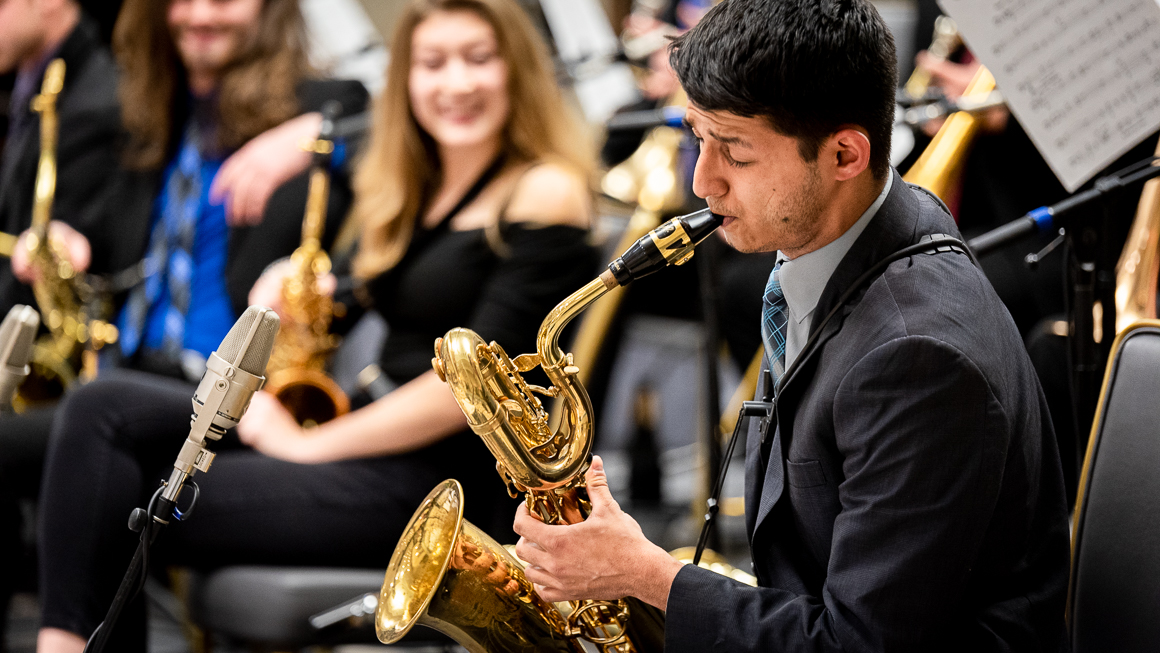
730 140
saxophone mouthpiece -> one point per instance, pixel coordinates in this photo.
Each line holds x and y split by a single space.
671 243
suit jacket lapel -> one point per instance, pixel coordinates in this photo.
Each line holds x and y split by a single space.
892 228
10 186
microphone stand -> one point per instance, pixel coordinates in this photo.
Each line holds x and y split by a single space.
1086 221
149 521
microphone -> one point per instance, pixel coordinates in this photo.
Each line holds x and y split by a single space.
17 336
671 243
233 374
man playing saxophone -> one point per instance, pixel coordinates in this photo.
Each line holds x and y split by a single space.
905 491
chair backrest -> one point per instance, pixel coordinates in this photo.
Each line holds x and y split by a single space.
1114 597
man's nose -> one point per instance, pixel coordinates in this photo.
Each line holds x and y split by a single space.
707 179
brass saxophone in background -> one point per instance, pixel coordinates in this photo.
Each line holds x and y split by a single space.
296 370
447 574
940 164
1139 264
63 296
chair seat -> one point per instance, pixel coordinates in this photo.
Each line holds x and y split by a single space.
272 605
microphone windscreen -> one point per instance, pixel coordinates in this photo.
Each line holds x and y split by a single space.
255 354
17 335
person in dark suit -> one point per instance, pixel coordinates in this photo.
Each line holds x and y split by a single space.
208 187
906 493
31 35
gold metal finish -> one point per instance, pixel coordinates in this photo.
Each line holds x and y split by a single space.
1139 264
946 41
63 296
296 371
939 166
448 575
546 464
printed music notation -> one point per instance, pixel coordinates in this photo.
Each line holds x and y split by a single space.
1082 76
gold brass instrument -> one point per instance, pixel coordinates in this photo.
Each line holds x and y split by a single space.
61 294
649 180
946 40
1139 263
941 163
297 364
448 575
547 464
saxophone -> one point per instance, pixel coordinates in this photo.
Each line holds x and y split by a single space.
1139 264
64 297
940 164
447 574
297 364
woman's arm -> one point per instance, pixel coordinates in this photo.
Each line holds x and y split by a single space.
416 414
541 271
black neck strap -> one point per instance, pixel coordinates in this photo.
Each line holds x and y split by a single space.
934 244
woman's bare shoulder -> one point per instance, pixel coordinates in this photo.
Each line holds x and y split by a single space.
551 193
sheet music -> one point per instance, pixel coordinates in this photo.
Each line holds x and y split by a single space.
1082 76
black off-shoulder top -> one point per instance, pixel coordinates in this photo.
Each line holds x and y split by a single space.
451 278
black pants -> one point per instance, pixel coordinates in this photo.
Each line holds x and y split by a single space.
115 440
23 439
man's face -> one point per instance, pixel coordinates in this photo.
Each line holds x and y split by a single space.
772 198
21 32
212 34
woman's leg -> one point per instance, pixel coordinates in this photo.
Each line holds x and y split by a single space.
23 439
107 454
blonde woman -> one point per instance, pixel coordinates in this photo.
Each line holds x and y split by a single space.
471 210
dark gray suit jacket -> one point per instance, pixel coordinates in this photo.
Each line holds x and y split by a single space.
90 126
909 495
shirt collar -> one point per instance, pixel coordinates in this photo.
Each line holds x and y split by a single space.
804 278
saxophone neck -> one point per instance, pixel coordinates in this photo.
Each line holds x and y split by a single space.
547 340
45 105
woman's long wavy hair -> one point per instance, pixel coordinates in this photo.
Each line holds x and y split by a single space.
257 91
400 170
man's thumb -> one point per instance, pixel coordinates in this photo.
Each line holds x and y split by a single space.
597 482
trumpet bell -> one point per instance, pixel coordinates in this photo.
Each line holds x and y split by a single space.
448 575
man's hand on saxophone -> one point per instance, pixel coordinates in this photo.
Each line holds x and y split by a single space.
604 557
79 251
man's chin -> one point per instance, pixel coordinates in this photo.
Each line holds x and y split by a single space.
739 241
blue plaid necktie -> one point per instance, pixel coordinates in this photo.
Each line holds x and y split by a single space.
169 259
774 312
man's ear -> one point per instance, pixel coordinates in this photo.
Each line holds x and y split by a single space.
850 149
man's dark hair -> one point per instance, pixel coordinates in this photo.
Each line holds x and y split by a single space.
808 66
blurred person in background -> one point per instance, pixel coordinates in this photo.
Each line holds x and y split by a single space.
32 33
217 94
472 209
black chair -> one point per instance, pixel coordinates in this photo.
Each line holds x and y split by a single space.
1114 598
